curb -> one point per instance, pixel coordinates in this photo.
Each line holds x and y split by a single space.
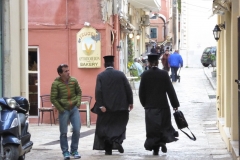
210 79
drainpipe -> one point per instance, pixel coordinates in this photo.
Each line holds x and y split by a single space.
116 33
68 35
6 77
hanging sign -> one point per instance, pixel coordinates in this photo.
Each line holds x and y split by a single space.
88 48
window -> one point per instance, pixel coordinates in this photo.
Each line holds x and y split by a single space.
153 17
33 80
153 33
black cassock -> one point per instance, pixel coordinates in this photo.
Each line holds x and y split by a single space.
154 88
112 91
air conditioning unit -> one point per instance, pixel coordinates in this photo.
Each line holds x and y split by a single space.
145 20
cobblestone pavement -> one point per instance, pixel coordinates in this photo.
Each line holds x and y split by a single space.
197 100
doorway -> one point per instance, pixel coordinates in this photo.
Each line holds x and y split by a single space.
33 81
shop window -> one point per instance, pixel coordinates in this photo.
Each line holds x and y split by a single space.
32 60
153 32
33 81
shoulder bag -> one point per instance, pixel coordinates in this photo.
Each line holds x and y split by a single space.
182 123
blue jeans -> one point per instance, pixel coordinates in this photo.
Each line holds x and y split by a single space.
74 117
174 73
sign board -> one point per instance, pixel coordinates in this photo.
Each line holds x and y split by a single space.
88 48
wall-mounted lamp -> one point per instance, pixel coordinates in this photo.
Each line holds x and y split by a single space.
119 48
138 35
217 30
130 35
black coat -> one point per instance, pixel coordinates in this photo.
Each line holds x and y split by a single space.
154 87
113 91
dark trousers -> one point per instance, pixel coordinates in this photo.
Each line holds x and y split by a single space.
174 73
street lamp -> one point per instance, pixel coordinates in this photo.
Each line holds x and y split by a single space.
138 34
131 35
217 31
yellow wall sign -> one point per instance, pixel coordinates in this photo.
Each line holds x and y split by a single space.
88 48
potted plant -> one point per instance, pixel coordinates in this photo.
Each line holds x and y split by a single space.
213 59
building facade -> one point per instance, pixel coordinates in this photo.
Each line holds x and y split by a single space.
56 36
13 47
228 67
193 39
160 25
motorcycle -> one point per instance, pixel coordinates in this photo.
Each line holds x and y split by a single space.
14 135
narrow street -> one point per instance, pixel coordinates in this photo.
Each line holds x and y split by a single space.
197 99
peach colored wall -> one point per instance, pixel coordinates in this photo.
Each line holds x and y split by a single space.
159 23
165 8
54 32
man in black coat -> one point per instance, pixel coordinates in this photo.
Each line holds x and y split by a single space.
154 87
114 100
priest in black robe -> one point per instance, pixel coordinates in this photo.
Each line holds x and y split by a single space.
114 100
154 88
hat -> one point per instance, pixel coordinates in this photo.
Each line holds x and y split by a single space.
152 57
108 58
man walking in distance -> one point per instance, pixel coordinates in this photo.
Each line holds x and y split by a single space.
66 97
175 61
164 60
154 88
114 100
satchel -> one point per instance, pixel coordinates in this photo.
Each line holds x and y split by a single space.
182 123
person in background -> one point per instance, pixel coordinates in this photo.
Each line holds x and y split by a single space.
136 65
162 49
155 87
164 60
159 52
66 97
146 66
114 100
153 50
175 61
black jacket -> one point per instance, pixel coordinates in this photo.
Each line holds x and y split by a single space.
154 87
113 91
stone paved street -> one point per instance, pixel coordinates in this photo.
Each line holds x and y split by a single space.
197 100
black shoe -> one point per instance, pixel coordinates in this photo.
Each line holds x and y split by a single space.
155 152
164 148
108 148
175 134
120 148
108 152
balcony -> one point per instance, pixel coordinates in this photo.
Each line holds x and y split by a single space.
147 5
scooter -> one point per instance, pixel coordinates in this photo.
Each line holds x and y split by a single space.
14 135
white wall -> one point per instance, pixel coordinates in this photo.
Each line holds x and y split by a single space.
198 30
